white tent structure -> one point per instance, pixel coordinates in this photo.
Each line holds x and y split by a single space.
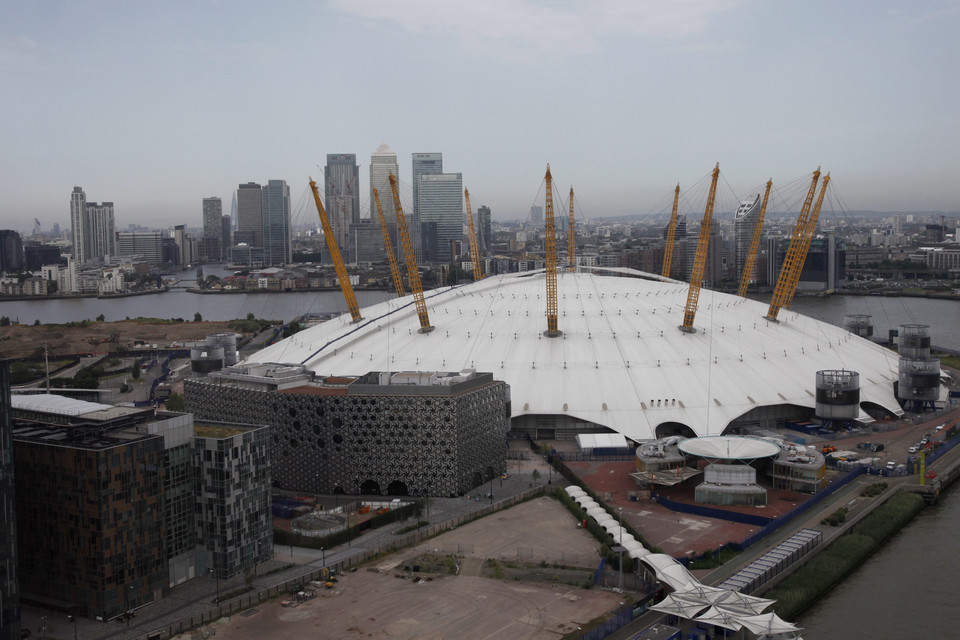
770 625
621 361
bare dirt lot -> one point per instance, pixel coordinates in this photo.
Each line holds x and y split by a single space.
385 601
21 341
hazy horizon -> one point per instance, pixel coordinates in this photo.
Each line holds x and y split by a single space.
154 106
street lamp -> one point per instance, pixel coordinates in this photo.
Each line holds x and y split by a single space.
324 553
73 619
43 626
129 604
214 573
491 485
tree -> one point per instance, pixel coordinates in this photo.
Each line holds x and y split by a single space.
101 318
175 402
250 316
135 371
36 322
197 317
4 321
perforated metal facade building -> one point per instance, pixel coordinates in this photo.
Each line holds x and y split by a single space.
390 434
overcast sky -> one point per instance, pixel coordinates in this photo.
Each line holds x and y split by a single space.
155 105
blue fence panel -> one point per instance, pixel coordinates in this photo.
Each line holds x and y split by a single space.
711 512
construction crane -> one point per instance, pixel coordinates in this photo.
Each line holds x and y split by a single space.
793 262
754 244
388 247
671 235
552 331
808 236
474 251
342 274
413 273
700 261
571 237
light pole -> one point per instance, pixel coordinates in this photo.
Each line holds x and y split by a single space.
491 485
324 554
73 619
43 625
621 548
214 573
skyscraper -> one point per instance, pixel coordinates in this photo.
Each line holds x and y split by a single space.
212 224
744 223
250 212
341 190
423 164
78 209
276 223
441 202
383 163
226 240
484 229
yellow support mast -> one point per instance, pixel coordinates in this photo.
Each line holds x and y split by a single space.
571 237
700 261
754 244
808 236
474 250
413 273
671 235
388 247
552 331
342 274
793 262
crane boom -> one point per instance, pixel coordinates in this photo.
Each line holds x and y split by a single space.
413 273
571 237
342 274
754 244
388 247
700 261
551 274
474 250
793 262
808 236
671 235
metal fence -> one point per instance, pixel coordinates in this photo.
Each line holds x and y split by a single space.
258 596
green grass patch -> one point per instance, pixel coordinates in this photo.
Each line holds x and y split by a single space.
827 568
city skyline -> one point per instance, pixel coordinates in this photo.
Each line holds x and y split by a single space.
623 100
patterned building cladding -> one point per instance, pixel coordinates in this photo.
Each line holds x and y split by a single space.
372 443
104 552
234 522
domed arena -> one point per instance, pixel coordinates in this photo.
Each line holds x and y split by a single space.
621 362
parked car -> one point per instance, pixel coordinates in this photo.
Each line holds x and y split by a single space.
891 465
940 427
913 449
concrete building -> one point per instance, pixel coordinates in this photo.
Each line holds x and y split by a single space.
92 228
441 203
226 236
78 210
484 229
408 433
341 189
213 226
277 249
383 163
148 245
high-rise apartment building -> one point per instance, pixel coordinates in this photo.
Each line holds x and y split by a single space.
423 164
92 228
226 236
11 250
341 190
78 209
276 223
744 223
441 203
148 245
213 226
250 211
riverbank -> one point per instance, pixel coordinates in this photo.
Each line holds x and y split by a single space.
82 296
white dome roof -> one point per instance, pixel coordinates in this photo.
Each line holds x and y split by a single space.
621 362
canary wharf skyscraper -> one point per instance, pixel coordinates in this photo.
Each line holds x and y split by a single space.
341 191
441 203
423 164
276 223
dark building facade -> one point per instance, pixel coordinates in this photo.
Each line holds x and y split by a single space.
36 255
11 250
414 433
9 585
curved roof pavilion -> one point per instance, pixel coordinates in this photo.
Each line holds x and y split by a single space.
622 362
